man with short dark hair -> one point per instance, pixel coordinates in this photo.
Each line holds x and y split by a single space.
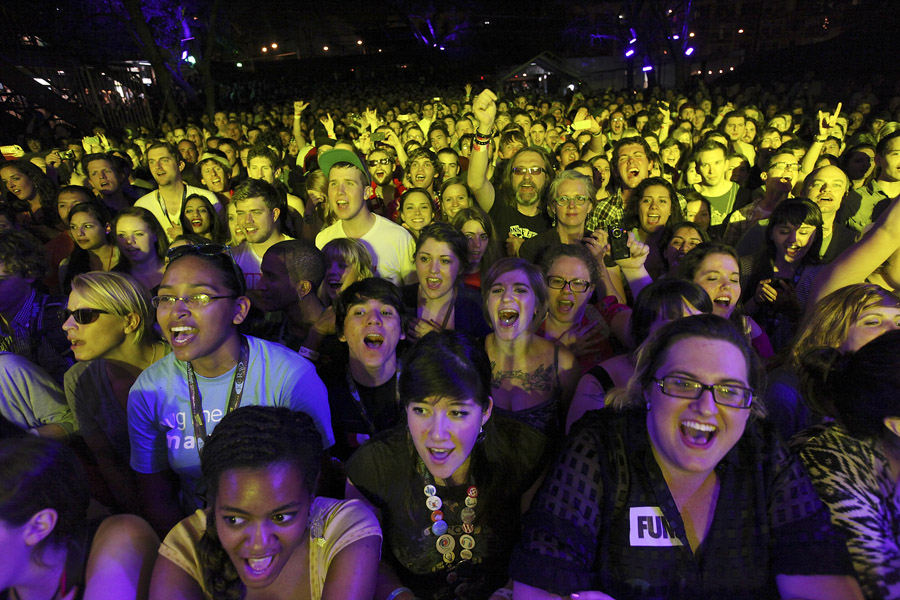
292 271
167 202
724 195
107 181
258 207
866 203
630 165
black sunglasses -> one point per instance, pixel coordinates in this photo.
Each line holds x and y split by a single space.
83 316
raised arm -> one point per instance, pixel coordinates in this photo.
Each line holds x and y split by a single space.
297 132
485 109
825 122
859 261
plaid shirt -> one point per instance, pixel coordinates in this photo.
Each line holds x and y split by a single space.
608 211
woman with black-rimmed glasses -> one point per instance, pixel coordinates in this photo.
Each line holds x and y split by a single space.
681 491
212 370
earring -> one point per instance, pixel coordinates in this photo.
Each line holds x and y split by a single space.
648 406
480 437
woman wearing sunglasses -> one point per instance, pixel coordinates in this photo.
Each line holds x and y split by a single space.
212 370
681 491
109 326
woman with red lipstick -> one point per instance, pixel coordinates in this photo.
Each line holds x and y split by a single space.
439 301
681 491
142 245
784 271
110 328
95 249
450 483
533 378
265 533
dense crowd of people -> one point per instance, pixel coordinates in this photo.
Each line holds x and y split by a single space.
617 345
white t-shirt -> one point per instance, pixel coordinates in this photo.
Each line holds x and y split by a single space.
250 263
159 408
392 248
153 203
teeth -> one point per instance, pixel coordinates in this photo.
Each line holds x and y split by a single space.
699 426
179 329
259 564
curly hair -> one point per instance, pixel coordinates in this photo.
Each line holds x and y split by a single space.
251 437
44 187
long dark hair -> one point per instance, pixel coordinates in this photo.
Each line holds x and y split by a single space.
43 186
444 232
218 231
80 259
251 437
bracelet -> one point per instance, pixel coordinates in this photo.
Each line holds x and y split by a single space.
482 141
504 593
397 592
297 116
307 353
820 140
598 134
482 136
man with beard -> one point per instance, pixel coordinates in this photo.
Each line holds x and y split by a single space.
519 214
386 188
167 202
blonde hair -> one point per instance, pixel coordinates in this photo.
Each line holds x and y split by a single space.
119 294
829 323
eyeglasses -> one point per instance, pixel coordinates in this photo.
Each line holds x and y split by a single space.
576 285
579 200
378 161
194 301
528 170
210 250
726 394
83 316
786 166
